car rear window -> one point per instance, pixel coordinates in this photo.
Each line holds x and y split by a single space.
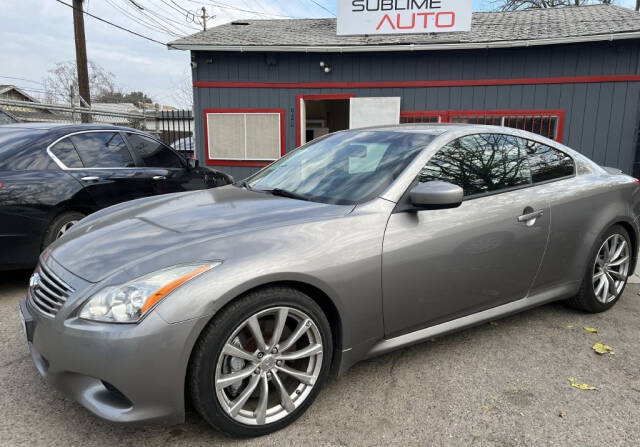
102 150
67 154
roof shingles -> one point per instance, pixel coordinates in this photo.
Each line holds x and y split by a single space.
486 27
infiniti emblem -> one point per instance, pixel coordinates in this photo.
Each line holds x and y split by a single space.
34 281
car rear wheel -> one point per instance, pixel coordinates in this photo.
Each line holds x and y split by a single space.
607 272
60 225
260 362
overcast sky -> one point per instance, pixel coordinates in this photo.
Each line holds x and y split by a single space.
35 34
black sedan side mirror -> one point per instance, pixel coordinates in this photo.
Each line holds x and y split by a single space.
435 195
193 163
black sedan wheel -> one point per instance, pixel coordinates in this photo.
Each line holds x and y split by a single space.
60 226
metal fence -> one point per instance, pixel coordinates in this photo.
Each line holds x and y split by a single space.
175 128
56 113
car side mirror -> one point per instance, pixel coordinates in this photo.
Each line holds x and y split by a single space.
193 163
435 194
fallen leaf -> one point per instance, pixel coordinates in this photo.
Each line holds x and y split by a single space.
493 323
602 349
570 326
591 330
581 386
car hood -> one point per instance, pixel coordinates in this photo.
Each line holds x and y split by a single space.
118 236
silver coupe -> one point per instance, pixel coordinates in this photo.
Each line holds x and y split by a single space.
243 299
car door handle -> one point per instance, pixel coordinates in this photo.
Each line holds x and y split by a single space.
159 177
530 216
90 178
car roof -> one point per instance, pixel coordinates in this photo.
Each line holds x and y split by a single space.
64 126
429 128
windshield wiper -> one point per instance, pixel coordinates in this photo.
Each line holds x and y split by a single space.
285 193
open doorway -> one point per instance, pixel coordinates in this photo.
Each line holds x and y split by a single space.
321 114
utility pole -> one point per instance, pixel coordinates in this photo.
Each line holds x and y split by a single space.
204 17
81 55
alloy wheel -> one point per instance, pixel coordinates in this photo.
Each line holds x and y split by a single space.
268 366
611 268
64 228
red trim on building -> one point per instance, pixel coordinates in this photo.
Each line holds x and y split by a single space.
315 97
249 163
446 115
448 83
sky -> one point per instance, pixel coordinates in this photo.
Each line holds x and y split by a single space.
36 34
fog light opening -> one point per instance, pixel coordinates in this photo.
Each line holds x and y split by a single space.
117 394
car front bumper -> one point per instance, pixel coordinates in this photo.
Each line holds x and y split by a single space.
123 373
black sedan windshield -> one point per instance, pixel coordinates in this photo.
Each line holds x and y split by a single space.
344 168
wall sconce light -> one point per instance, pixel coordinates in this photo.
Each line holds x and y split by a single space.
325 66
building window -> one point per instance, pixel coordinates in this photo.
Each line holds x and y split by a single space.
244 137
547 123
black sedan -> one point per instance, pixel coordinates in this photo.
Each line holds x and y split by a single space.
52 175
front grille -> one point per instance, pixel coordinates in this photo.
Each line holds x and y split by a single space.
47 291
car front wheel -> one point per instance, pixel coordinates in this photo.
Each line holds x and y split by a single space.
260 362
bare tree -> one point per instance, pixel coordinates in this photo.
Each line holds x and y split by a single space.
513 5
62 80
183 90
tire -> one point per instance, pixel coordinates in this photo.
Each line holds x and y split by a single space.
261 367
60 225
586 299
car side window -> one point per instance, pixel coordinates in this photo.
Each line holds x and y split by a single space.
153 153
102 150
67 154
480 164
547 163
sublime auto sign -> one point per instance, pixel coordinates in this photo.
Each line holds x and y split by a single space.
403 16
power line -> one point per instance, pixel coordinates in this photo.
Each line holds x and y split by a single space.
21 79
149 25
113 24
167 19
162 27
322 6
235 8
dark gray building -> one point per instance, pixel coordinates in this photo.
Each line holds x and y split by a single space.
263 87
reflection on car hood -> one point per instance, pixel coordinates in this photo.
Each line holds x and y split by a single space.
119 236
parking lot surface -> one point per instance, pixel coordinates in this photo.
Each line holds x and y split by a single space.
505 383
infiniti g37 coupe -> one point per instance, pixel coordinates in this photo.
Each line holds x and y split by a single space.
52 175
243 299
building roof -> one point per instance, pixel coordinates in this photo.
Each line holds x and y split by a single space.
7 88
488 29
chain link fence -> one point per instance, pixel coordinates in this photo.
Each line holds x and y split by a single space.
26 111
173 127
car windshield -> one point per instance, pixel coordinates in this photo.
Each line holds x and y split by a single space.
344 168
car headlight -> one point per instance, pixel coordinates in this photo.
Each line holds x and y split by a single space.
127 303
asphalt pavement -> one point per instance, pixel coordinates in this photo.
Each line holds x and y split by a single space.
500 384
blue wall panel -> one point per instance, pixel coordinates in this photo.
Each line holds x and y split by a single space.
601 118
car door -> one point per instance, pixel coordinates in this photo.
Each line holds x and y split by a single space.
441 264
107 169
170 172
